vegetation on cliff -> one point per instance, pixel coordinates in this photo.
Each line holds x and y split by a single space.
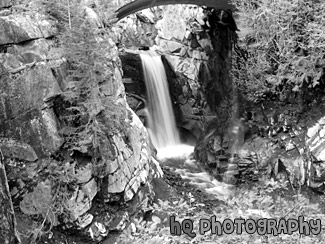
82 109
282 47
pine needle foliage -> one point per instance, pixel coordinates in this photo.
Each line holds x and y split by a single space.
283 42
87 49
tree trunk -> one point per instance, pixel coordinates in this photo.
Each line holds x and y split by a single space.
8 232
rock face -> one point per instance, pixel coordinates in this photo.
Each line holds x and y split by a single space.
137 30
44 168
19 28
198 58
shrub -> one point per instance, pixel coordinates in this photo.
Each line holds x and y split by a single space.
283 45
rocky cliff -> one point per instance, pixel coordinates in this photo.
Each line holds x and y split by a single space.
51 172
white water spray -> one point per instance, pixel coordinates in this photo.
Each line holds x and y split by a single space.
162 125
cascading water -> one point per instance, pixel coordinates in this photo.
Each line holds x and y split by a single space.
162 125
163 131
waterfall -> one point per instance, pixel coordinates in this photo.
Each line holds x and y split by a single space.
164 134
162 125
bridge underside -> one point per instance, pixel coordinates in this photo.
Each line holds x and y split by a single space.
138 5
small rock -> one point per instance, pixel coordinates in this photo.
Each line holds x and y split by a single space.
322 133
84 221
133 228
313 130
290 146
97 231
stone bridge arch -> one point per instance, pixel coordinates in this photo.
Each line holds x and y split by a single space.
138 5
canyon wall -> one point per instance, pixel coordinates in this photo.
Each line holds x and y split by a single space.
51 172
